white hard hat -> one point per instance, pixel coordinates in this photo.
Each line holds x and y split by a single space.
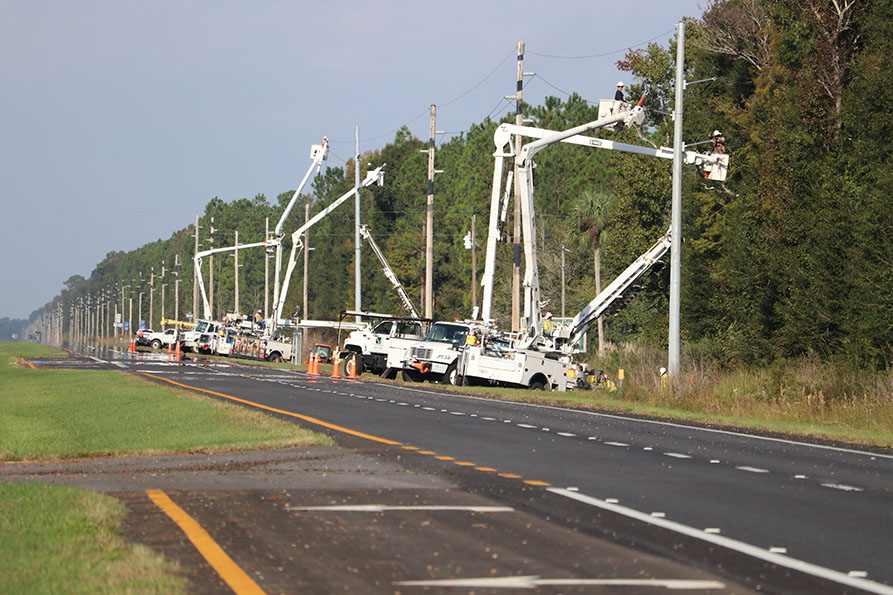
717 133
548 315
619 83
663 371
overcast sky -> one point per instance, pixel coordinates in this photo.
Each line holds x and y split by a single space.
120 119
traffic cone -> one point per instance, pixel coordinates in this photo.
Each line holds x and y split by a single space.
352 367
177 351
133 346
170 353
311 367
336 373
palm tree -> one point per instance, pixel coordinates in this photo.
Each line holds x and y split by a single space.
591 210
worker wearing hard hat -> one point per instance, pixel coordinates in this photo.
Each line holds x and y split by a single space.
719 142
618 96
548 325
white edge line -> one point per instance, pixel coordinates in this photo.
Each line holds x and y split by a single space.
732 544
654 422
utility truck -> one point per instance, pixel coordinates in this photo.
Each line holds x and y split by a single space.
538 359
391 334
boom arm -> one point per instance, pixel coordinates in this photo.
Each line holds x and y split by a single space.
389 273
612 293
373 177
198 269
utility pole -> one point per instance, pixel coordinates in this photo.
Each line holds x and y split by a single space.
163 285
130 308
211 231
429 222
177 286
139 310
516 235
236 309
474 265
562 280
195 276
151 299
676 216
306 255
357 240
266 271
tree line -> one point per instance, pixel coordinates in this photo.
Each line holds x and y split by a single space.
790 255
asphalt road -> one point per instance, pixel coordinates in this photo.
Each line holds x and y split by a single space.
752 512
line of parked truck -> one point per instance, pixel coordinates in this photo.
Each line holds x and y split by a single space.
474 351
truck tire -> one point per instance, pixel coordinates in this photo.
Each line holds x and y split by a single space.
275 357
451 376
537 385
156 344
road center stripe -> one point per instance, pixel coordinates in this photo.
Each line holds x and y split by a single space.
229 571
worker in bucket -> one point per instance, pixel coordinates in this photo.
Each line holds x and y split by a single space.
618 96
719 142
548 325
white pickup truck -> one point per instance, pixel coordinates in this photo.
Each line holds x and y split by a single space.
155 339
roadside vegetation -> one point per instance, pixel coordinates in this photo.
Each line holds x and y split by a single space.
59 539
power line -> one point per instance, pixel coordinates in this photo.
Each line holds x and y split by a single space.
625 49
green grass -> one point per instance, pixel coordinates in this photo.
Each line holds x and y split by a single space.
59 539
66 414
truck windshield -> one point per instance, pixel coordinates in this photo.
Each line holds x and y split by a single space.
202 326
447 333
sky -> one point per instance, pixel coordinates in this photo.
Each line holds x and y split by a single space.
120 119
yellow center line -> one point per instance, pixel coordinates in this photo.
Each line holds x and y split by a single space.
338 428
306 418
228 570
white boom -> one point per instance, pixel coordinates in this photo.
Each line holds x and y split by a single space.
618 289
715 167
273 243
389 273
375 176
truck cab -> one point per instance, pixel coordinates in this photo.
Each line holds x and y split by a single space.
373 345
436 357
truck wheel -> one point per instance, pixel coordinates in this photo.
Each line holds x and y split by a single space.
275 357
156 344
537 385
451 376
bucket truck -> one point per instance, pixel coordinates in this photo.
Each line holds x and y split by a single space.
273 243
375 176
534 360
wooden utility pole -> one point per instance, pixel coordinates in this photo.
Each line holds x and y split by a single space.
474 266
266 271
429 222
211 268
151 299
236 308
195 276
163 285
176 287
358 241
516 236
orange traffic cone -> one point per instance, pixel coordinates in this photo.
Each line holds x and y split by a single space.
170 353
336 373
311 367
177 351
352 367
133 346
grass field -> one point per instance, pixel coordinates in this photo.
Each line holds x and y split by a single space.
57 539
